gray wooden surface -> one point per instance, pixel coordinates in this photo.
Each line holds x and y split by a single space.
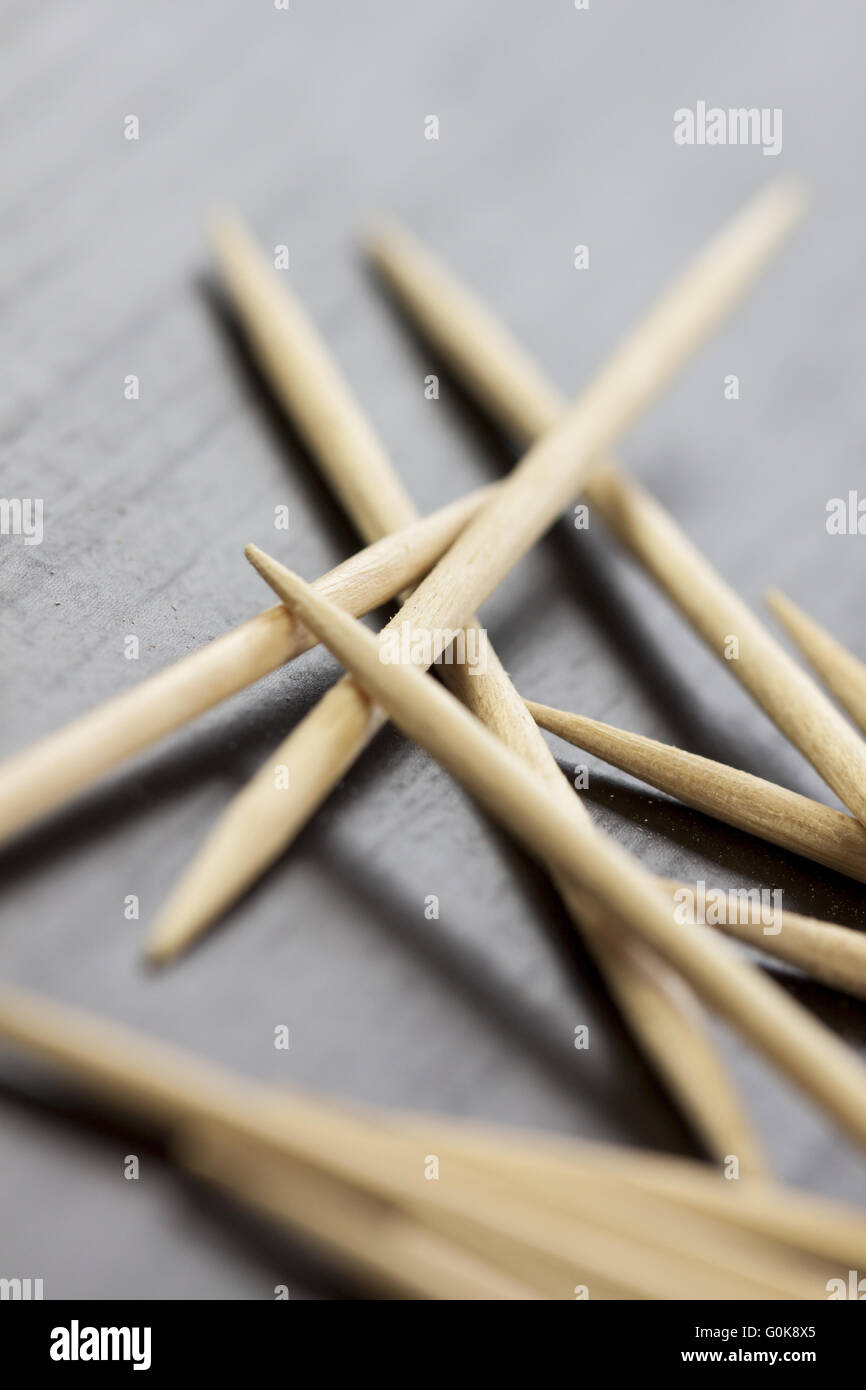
555 128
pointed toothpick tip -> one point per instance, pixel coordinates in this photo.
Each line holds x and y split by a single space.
155 957
168 938
775 599
221 223
270 569
783 609
795 190
789 195
380 235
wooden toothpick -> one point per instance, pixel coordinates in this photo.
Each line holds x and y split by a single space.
664 1017
512 389
302 373
513 1215
825 1228
59 767
799 1045
833 955
792 699
362 1213
838 668
266 821
785 818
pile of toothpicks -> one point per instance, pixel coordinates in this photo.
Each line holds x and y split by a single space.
512 1215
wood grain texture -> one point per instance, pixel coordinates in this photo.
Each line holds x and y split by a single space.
797 823
555 130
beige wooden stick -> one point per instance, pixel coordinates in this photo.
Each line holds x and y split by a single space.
836 956
336 1178
486 1230
799 1045
300 369
662 1012
790 696
660 1009
750 803
824 1228
514 392
598 1181
382 1244
551 1245
197 1099
565 1166
59 767
264 820
838 668
574 1187
347 1187
693 1238
556 467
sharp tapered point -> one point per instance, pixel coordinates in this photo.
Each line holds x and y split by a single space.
537 710
266 563
535 704
166 942
156 958
541 712
799 190
269 568
790 193
260 559
379 236
781 606
221 223
793 189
